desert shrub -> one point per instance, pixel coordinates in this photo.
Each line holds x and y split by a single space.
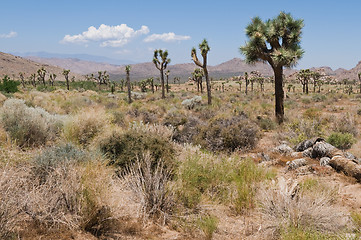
228 134
123 148
266 123
83 127
341 140
345 124
289 207
150 186
29 126
301 129
192 102
318 98
292 233
9 86
356 220
52 157
312 113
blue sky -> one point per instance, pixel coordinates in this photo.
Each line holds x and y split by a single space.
133 29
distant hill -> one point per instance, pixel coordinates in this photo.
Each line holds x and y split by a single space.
11 65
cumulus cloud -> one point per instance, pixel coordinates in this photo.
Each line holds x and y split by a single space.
9 35
109 36
166 37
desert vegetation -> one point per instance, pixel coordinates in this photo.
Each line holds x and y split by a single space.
97 160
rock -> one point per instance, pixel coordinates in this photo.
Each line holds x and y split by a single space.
283 149
297 155
137 95
192 102
296 163
347 166
322 149
111 95
2 98
302 146
324 161
307 152
265 157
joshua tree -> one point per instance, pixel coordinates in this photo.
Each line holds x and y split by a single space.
122 84
167 83
315 78
52 79
41 75
32 79
112 87
151 83
66 76
197 77
161 65
304 76
21 75
127 70
359 79
247 81
204 47
276 41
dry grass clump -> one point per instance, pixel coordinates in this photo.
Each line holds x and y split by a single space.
345 124
150 186
306 207
84 126
29 126
13 182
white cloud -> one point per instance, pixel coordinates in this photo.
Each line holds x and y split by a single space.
9 35
166 37
112 36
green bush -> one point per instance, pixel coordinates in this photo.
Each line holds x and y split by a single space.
341 140
123 148
29 126
9 86
228 134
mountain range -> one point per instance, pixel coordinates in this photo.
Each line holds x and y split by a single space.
12 65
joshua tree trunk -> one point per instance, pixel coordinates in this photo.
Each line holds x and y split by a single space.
240 87
129 88
167 85
279 94
162 82
303 87
209 95
306 86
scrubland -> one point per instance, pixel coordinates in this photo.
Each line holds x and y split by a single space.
85 164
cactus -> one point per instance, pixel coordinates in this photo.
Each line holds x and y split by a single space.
161 65
204 48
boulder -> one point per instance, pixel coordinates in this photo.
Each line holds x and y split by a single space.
283 149
307 152
297 155
296 163
322 149
302 146
324 161
347 166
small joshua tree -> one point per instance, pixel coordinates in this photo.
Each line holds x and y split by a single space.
204 48
197 77
304 76
161 65
151 83
52 79
316 77
21 75
66 76
41 75
247 81
32 79
127 70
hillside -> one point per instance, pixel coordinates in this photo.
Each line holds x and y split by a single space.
11 65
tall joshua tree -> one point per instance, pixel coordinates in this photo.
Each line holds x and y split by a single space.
127 70
66 76
161 64
304 76
276 41
204 47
